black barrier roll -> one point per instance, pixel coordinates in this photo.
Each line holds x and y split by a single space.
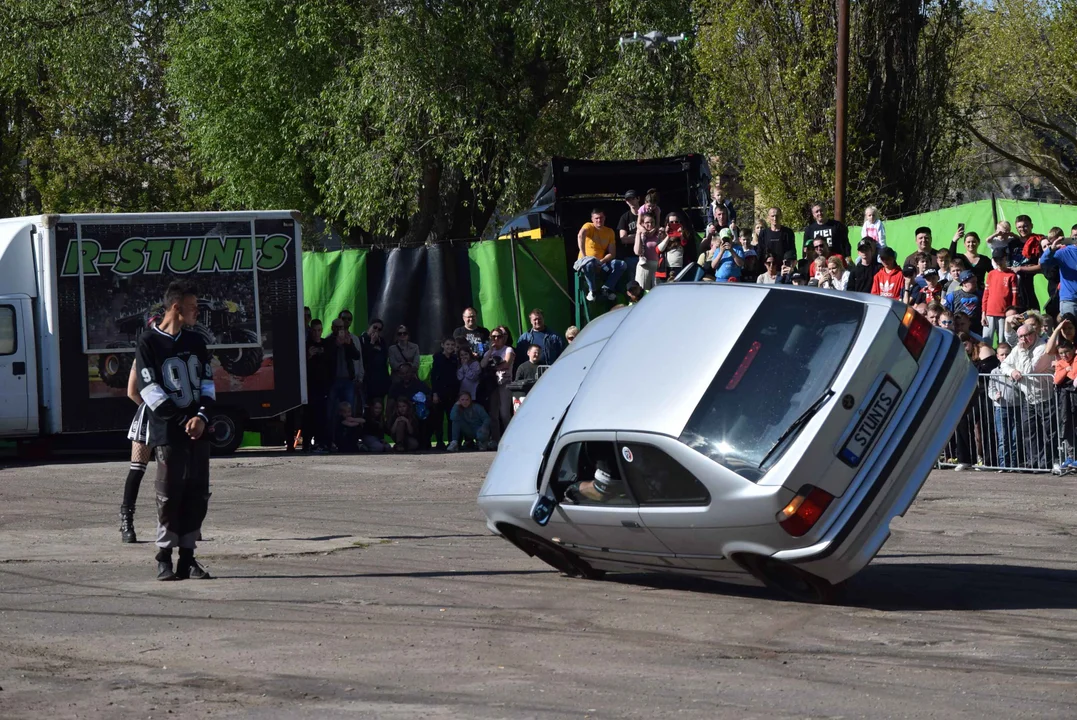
425 288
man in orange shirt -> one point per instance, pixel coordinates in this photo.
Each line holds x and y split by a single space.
598 253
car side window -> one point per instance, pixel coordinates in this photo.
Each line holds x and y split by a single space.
587 473
8 345
655 478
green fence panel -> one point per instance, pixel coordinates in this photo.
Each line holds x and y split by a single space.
492 288
335 281
901 233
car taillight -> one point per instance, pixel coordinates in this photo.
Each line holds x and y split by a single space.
803 511
915 330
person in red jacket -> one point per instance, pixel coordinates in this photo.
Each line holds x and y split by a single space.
1000 292
889 282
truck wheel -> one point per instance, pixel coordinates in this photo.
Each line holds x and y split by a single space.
241 362
225 431
558 558
790 580
114 368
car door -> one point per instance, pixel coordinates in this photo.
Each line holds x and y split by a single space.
609 528
692 518
18 388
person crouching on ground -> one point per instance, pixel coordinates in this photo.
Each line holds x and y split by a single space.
470 423
348 429
404 427
374 428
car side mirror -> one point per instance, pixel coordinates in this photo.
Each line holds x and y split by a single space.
542 510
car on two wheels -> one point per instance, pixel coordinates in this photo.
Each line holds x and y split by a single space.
746 433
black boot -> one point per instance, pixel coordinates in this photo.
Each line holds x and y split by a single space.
164 564
127 525
189 568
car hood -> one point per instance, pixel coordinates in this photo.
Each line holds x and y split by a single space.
519 456
665 354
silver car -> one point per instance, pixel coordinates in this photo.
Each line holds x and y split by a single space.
749 433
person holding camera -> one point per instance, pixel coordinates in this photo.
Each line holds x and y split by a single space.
728 258
497 363
648 238
671 248
862 273
339 356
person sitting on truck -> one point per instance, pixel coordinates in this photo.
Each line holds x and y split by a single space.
598 254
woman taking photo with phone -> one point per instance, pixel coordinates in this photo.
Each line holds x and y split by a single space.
979 264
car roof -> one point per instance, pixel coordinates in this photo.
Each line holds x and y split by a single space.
656 365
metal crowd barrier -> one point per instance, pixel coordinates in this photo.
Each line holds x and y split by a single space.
1015 426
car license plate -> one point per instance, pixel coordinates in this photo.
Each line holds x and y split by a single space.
871 422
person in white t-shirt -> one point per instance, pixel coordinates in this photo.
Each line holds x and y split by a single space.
873 226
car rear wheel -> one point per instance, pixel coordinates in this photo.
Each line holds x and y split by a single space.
556 557
790 580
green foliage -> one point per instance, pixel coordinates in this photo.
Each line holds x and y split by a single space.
1018 85
85 124
771 71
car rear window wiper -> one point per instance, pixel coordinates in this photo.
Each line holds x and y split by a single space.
796 425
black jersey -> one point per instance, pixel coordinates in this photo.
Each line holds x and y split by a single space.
175 378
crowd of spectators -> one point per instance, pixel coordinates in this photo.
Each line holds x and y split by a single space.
364 392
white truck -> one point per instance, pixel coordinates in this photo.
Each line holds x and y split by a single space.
76 291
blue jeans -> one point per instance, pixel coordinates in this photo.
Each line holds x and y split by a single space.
1067 306
613 271
1006 422
342 390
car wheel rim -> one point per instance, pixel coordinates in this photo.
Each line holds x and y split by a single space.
112 365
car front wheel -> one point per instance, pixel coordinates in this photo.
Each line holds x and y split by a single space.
556 557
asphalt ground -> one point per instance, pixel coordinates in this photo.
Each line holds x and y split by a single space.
369 587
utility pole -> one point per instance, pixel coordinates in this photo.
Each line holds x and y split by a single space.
842 94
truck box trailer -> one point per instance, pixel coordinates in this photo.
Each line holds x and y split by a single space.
76 291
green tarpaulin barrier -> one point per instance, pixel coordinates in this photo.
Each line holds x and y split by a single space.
335 281
492 288
901 233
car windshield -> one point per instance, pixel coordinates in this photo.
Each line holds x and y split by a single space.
781 366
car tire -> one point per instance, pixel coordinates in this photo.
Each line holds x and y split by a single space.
556 557
225 432
790 580
114 368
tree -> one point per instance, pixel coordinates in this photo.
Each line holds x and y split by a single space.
771 71
1018 85
85 123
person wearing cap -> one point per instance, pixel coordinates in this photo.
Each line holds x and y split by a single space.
932 290
1063 255
626 232
889 281
967 298
402 351
862 273
1000 292
788 268
728 257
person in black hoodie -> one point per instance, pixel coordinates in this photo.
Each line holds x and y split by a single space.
375 361
863 272
339 355
445 386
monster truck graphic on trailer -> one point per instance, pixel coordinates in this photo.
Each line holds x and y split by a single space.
220 322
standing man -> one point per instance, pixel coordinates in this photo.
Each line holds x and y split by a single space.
775 239
375 362
834 232
1031 249
358 367
550 343
472 334
598 254
1063 255
626 233
923 245
175 377
339 355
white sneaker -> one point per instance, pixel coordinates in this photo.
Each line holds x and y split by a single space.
590 296
453 447
960 466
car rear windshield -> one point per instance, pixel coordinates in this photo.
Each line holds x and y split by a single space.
784 362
